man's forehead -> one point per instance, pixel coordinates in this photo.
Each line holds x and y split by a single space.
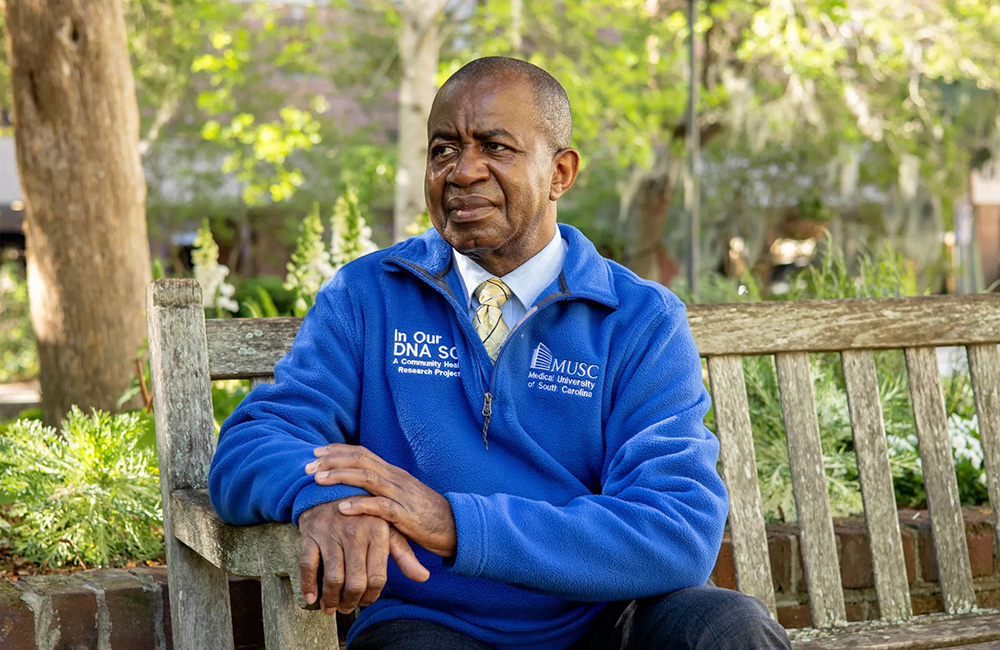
482 105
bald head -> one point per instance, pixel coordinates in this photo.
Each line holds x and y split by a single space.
550 101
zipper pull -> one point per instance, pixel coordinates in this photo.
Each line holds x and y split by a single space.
487 413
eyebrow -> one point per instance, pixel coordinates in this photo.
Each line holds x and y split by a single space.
489 134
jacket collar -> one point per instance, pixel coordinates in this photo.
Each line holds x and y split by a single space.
585 273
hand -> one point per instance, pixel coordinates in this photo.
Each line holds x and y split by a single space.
354 551
414 509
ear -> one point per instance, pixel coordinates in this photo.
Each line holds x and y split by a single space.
565 167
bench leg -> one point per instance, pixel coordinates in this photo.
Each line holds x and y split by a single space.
289 627
200 615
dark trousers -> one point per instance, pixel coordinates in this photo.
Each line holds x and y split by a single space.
699 618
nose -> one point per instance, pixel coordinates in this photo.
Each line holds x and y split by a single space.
470 167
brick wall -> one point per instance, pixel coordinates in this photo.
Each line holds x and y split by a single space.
856 568
110 609
117 609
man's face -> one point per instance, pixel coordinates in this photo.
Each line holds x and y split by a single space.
489 172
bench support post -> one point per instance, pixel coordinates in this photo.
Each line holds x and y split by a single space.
200 614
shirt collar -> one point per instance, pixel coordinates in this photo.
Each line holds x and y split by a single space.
526 281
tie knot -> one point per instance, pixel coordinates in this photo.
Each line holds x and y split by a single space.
493 292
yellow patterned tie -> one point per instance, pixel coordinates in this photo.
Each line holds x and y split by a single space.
489 321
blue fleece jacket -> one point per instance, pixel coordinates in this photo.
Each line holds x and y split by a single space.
599 482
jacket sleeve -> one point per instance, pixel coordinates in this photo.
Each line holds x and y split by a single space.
657 524
258 471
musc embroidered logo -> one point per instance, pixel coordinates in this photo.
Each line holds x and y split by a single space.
542 359
553 375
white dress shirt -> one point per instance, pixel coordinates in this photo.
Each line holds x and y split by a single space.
526 282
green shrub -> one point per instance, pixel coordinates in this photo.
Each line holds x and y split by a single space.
264 296
18 351
882 273
87 495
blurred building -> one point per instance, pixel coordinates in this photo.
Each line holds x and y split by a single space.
984 231
11 202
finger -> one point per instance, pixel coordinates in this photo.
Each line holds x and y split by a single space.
405 558
379 506
333 578
338 456
378 556
367 479
355 574
308 568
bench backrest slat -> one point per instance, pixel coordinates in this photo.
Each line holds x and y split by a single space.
239 348
739 471
881 520
832 325
812 501
984 369
947 524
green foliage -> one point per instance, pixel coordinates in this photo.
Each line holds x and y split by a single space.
420 224
88 495
350 235
226 396
264 296
216 293
312 262
18 350
880 273
310 265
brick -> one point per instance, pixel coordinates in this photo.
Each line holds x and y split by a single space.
244 600
980 542
926 604
926 554
156 577
724 573
909 555
17 621
857 611
794 616
131 605
855 558
74 607
988 599
784 570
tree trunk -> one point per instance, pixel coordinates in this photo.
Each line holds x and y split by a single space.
649 205
76 127
419 48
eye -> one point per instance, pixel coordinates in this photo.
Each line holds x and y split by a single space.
495 147
442 150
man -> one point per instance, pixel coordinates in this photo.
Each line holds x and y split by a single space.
515 420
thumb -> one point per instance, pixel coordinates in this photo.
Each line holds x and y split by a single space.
405 559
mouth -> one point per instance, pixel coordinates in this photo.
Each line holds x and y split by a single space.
468 208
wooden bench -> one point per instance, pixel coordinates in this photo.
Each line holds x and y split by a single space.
187 352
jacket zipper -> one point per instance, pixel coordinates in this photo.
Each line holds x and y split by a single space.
488 396
446 291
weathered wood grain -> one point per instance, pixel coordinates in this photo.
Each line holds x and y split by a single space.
739 471
834 325
984 369
185 440
812 501
257 381
947 526
243 347
239 348
239 550
872 453
286 625
925 633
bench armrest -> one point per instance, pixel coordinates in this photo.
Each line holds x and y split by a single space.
255 551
